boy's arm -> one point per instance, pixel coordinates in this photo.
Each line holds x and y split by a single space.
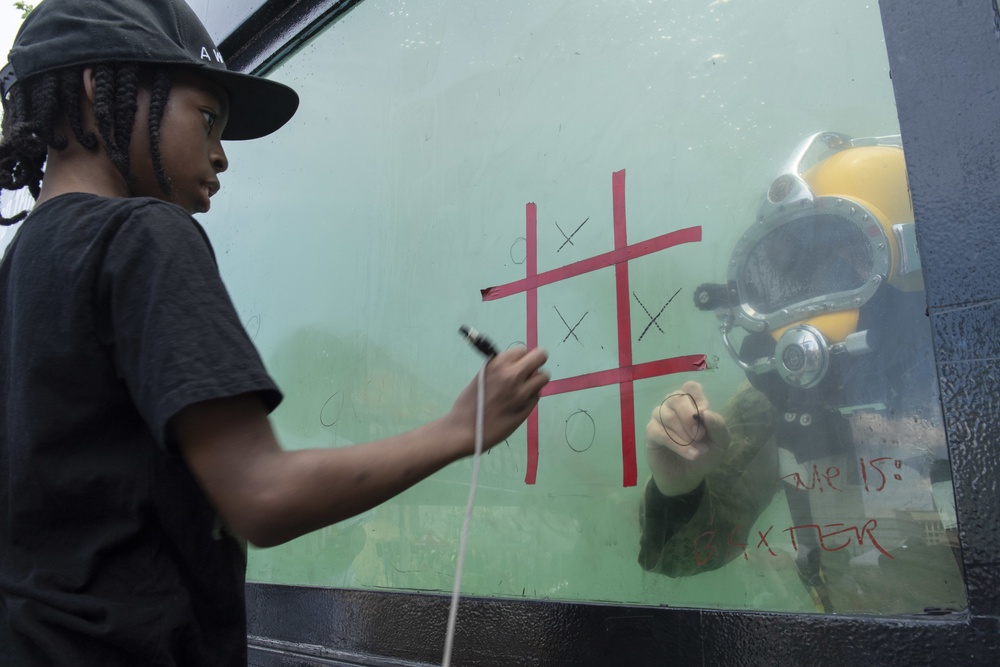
269 495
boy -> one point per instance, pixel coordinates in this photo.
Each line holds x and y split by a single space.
134 440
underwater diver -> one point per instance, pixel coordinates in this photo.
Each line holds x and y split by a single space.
840 412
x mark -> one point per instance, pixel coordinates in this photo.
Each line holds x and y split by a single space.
569 239
653 318
571 328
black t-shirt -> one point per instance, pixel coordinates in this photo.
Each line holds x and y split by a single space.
114 318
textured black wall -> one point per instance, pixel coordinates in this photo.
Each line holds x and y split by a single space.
945 61
312 626
944 56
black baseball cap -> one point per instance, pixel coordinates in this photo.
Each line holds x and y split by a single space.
68 33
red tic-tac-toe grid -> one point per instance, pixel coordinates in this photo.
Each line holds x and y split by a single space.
626 372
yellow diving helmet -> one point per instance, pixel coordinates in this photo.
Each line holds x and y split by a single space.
835 225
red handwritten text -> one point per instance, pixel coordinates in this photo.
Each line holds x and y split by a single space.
818 480
843 533
831 537
880 477
874 476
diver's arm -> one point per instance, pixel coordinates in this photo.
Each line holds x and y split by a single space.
690 530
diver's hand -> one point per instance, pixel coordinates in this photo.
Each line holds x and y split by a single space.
684 440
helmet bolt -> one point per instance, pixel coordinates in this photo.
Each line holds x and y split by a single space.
794 358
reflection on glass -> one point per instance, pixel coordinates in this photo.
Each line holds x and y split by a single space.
357 239
814 257
839 416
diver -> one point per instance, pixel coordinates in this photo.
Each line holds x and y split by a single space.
839 413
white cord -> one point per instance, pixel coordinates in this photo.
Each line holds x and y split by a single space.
453 612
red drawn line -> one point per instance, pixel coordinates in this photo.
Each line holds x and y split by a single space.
616 256
627 373
531 271
623 304
643 371
629 470
622 298
531 266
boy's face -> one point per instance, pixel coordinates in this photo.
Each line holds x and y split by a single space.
190 142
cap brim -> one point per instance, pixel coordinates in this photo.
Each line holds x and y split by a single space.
257 106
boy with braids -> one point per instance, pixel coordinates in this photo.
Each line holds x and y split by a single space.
135 449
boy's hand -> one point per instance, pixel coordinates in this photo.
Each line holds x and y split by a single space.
513 381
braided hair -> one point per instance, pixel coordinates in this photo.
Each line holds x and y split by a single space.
33 109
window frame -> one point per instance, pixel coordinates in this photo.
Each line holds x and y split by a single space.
925 40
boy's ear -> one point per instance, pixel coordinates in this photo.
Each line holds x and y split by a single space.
87 119
89 83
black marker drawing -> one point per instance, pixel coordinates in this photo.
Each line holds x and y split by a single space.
523 242
593 431
508 454
653 318
569 239
572 329
252 326
329 414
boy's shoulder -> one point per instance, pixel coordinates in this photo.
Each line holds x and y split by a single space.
100 223
84 211
84 203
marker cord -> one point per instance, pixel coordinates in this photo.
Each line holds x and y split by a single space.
453 612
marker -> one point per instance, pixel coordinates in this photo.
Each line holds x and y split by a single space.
479 341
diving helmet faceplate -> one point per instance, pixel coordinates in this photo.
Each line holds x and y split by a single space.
835 225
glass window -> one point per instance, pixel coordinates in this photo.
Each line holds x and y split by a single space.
659 193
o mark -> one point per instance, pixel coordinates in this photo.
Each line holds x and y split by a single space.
519 250
252 326
581 416
329 414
